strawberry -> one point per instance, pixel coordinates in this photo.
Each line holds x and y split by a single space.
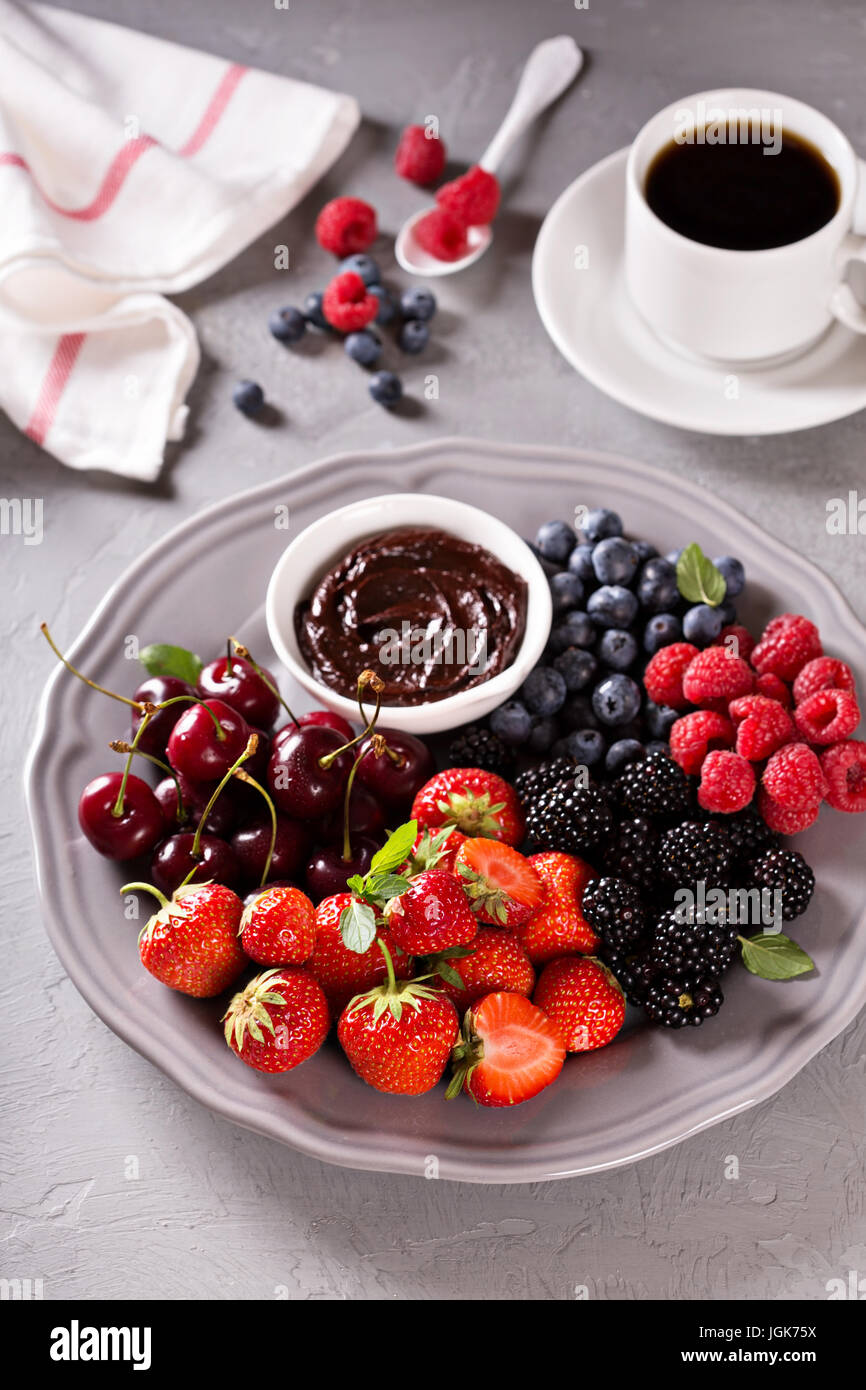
508 1052
279 1020
398 1037
191 944
495 961
431 915
559 927
502 885
583 998
477 802
279 927
343 973
434 849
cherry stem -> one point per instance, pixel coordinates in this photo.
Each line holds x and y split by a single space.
136 704
243 776
117 808
229 667
146 888
347 843
195 849
389 964
195 700
244 653
366 678
118 745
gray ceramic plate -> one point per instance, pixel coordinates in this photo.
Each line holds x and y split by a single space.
650 1088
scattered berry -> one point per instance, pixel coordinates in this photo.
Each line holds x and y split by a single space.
288 325
583 999
363 348
786 645
414 336
727 782
417 302
663 677
313 311
345 226
191 944
472 199
387 308
695 734
844 768
248 397
365 266
827 716
793 777
386 389
420 156
508 1051
346 304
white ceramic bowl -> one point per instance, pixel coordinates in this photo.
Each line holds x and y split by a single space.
316 549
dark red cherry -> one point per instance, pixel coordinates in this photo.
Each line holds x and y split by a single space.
366 817
297 782
223 815
328 871
133 832
291 848
244 690
322 717
156 689
173 860
391 781
196 750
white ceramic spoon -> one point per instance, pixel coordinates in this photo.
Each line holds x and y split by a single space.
550 68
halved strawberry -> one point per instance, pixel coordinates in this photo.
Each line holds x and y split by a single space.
508 1051
477 802
502 886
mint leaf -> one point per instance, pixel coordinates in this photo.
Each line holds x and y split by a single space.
774 957
395 849
358 926
383 887
698 580
162 659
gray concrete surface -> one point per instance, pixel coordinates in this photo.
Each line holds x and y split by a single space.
216 1212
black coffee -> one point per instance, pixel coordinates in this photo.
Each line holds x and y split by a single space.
731 194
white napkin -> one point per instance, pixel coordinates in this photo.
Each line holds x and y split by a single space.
130 168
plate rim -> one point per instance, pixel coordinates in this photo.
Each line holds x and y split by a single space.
318 1142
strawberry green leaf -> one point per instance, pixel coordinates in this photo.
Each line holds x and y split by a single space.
358 926
395 849
162 659
774 956
698 580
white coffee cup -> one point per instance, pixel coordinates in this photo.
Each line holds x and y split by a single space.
744 307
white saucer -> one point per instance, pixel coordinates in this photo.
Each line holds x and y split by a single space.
590 318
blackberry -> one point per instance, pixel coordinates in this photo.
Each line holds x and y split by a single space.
674 1005
785 870
694 852
576 820
478 747
530 784
655 787
615 911
631 853
691 951
748 835
635 973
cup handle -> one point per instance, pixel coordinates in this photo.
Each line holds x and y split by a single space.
844 304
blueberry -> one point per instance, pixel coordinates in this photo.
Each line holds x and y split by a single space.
363 347
364 266
386 389
614 561
288 325
616 699
556 540
313 311
733 574
660 719
387 307
660 631
601 523
645 551
543 734
702 624
566 590
249 397
418 303
577 667
580 562
414 335
728 613
512 722
657 746
577 713
612 606
657 586
549 567
576 630
544 691
621 753
587 745
674 555
617 649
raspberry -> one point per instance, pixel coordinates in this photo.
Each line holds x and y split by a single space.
716 674
844 768
786 822
774 688
786 644
441 235
827 716
763 725
744 639
346 226
663 677
346 304
420 156
824 673
727 782
473 199
793 777
694 734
